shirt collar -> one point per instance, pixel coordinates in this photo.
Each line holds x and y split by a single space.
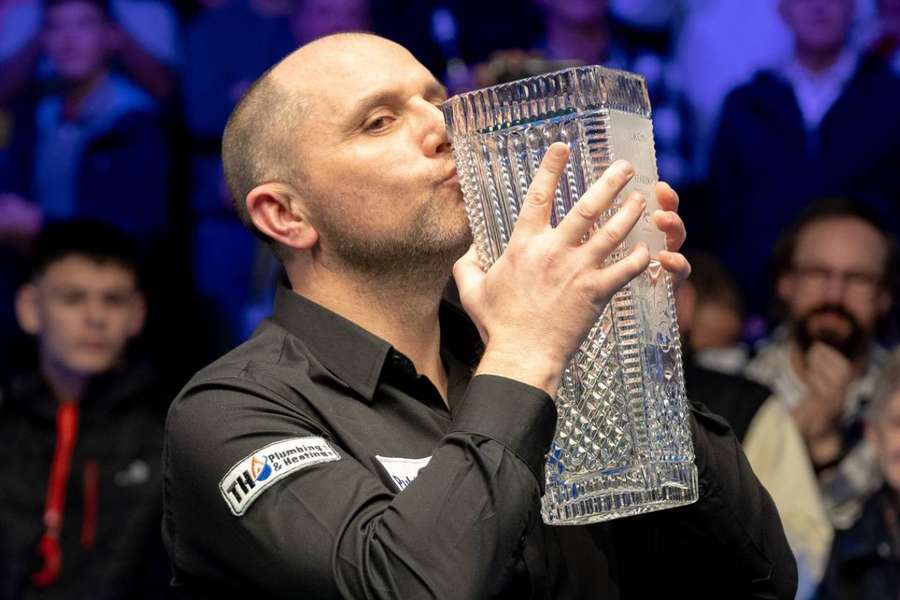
816 93
354 355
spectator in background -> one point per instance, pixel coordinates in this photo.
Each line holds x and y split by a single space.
94 148
834 273
81 500
708 309
581 31
217 71
717 315
310 19
718 47
143 40
887 43
823 124
238 283
865 559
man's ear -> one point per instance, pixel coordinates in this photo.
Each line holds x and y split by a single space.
278 212
27 312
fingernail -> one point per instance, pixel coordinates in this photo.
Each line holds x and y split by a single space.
558 149
627 167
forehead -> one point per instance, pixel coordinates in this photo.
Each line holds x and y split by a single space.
841 241
84 272
335 75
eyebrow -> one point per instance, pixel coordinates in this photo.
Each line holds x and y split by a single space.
433 90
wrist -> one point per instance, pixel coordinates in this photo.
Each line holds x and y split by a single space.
538 369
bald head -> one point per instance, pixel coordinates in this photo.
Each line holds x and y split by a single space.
258 141
262 141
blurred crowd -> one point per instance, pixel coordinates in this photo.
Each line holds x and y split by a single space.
125 268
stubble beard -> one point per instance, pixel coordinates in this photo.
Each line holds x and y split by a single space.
421 255
852 344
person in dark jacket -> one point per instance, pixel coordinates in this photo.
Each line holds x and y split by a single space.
364 444
81 500
94 145
823 124
769 438
865 559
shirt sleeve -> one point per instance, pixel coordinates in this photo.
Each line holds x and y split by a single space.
333 529
729 544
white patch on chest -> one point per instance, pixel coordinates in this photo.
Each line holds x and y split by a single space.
402 471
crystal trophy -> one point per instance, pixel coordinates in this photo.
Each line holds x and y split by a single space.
623 444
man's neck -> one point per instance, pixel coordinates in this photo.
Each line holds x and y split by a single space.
589 44
65 385
404 313
818 60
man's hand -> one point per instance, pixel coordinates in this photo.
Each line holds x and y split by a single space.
828 376
536 303
668 221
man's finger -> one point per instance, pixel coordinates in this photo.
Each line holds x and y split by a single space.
666 196
670 224
599 197
535 213
467 271
610 279
676 264
607 238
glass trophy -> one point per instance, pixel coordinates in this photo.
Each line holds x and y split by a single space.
623 444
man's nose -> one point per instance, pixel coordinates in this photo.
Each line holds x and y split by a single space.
95 313
836 287
435 138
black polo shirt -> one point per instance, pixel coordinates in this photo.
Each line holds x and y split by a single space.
314 462
335 524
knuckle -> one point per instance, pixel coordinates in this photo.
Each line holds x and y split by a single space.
610 236
636 264
585 211
591 292
537 197
614 182
551 256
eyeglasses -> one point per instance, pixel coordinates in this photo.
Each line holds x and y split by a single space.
855 283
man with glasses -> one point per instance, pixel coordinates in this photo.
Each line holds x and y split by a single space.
833 273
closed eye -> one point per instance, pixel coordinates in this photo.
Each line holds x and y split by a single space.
379 123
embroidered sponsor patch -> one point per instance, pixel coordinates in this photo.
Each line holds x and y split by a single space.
402 470
247 479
